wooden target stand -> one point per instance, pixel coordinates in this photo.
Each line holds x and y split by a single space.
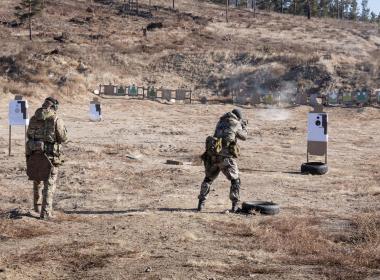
17 116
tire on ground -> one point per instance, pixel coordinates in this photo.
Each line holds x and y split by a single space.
314 168
264 207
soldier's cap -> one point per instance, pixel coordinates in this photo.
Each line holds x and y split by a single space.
237 113
50 101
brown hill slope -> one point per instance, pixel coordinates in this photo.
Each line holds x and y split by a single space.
80 44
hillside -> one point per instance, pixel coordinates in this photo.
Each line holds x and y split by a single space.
195 48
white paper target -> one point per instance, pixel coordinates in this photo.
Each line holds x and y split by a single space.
95 112
18 112
317 127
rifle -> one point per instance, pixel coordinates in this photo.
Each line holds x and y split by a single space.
244 123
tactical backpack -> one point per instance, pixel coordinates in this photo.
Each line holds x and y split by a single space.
223 131
234 149
41 134
213 148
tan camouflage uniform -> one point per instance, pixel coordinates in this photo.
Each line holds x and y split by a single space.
229 128
47 127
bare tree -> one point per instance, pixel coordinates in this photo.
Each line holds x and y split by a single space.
29 9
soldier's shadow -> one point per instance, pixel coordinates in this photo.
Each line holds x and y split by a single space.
186 210
128 211
102 212
248 170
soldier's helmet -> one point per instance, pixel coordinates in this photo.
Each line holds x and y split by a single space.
51 102
238 113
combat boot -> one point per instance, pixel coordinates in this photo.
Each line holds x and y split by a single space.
234 207
37 208
45 215
201 205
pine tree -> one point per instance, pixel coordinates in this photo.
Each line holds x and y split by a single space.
308 9
28 9
324 8
337 9
365 10
344 9
332 8
373 17
315 8
354 10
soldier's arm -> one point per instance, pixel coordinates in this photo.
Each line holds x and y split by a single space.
61 132
29 131
242 133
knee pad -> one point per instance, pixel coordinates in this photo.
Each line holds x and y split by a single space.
207 180
235 181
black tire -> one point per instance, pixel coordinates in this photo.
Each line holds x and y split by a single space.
264 207
314 168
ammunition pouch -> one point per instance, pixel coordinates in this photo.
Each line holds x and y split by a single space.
234 149
213 145
51 150
208 159
33 146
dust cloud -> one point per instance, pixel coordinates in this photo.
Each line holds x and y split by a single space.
273 114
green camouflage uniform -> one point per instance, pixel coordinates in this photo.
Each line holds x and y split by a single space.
229 129
47 127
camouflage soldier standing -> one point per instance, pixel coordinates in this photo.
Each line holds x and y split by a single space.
45 134
221 153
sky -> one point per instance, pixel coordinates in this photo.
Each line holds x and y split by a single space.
374 5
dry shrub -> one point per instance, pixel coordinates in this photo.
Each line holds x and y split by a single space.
16 229
307 243
17 88
349 253
365 240
294 235
245 270
74 256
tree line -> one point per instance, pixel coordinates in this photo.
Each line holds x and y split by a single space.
340 9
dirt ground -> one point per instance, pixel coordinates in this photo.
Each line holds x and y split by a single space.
123 213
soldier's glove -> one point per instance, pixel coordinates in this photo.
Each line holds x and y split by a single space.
244 124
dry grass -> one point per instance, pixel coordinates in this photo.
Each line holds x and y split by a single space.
15 229
346 253
74 257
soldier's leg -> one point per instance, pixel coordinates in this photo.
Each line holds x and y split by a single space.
48 192
231 171
37 188
235 193
211 171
